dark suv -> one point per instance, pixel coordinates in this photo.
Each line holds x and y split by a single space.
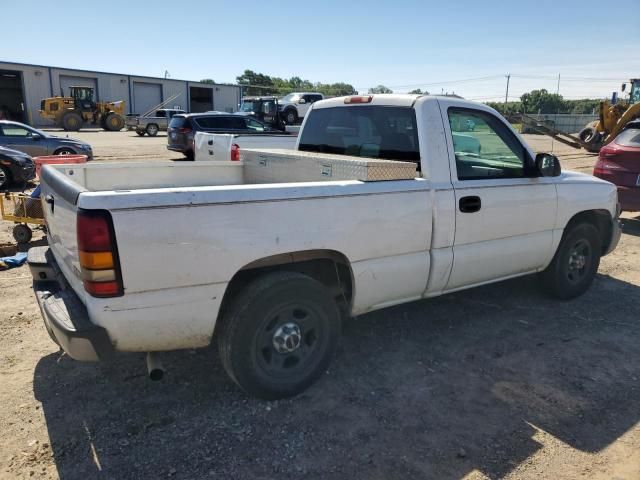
183 128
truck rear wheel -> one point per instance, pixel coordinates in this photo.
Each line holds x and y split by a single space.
290 116
113 122
278 334
152 129
575 264
71 122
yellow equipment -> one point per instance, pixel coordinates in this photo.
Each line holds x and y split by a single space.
71 112
613 119
21 209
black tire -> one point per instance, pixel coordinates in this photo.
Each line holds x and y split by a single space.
152 129
189 155
113 122
591 138
71 122
64 151
22 233
287 309
141 132
575 263
5 178
290 116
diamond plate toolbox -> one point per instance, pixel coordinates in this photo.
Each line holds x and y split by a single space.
279 166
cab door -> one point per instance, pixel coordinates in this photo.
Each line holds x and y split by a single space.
505 213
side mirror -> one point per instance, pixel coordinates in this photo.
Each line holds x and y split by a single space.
623 87
547 165
35 136
302 101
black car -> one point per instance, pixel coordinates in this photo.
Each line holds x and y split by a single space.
183 128
15 167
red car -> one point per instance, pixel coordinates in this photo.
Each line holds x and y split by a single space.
619 163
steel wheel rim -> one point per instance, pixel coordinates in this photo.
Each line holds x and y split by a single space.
3 178
579 261
298 355
65 152
153 130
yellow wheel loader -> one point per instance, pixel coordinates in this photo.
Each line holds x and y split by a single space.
72 112
614 118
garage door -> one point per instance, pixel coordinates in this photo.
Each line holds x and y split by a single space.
67 81
146 96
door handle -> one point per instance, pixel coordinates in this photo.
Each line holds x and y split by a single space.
470 204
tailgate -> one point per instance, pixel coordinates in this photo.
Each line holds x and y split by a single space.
60 198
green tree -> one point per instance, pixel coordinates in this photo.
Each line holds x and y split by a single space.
380 89
417 91
542 101
208 81
257 83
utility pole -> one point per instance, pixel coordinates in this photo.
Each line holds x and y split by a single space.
506 95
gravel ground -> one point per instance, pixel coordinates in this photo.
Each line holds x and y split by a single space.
495 382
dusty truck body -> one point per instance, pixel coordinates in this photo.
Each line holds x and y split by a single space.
165 256
151 125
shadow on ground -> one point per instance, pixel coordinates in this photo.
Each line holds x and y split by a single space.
432 389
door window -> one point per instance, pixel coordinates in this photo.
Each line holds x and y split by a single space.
253 125
484 147
15 131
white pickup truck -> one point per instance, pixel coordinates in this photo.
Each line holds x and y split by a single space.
157 257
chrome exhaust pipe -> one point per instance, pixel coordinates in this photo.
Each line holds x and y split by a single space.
154 367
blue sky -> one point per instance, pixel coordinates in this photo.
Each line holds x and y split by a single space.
401 44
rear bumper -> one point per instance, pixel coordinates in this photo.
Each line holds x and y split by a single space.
23 174
65 316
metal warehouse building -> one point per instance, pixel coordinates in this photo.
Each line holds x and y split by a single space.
23 86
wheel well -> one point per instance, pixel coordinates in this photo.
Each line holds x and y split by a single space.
601 219
57 150
330 268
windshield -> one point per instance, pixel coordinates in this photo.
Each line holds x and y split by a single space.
388 133
291 98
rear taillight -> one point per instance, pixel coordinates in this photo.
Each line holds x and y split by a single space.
98 254
184 130
235 152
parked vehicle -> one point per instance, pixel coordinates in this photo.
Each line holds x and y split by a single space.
264 109
225 147
71 112
294 107
24 138
163 256
183 127
619 163
152 125
15 167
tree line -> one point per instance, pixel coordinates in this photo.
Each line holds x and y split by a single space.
261 84
541 101
535 101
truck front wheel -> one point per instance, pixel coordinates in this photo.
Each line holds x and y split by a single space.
575 263
277 336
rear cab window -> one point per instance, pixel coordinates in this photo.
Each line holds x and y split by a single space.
370 131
